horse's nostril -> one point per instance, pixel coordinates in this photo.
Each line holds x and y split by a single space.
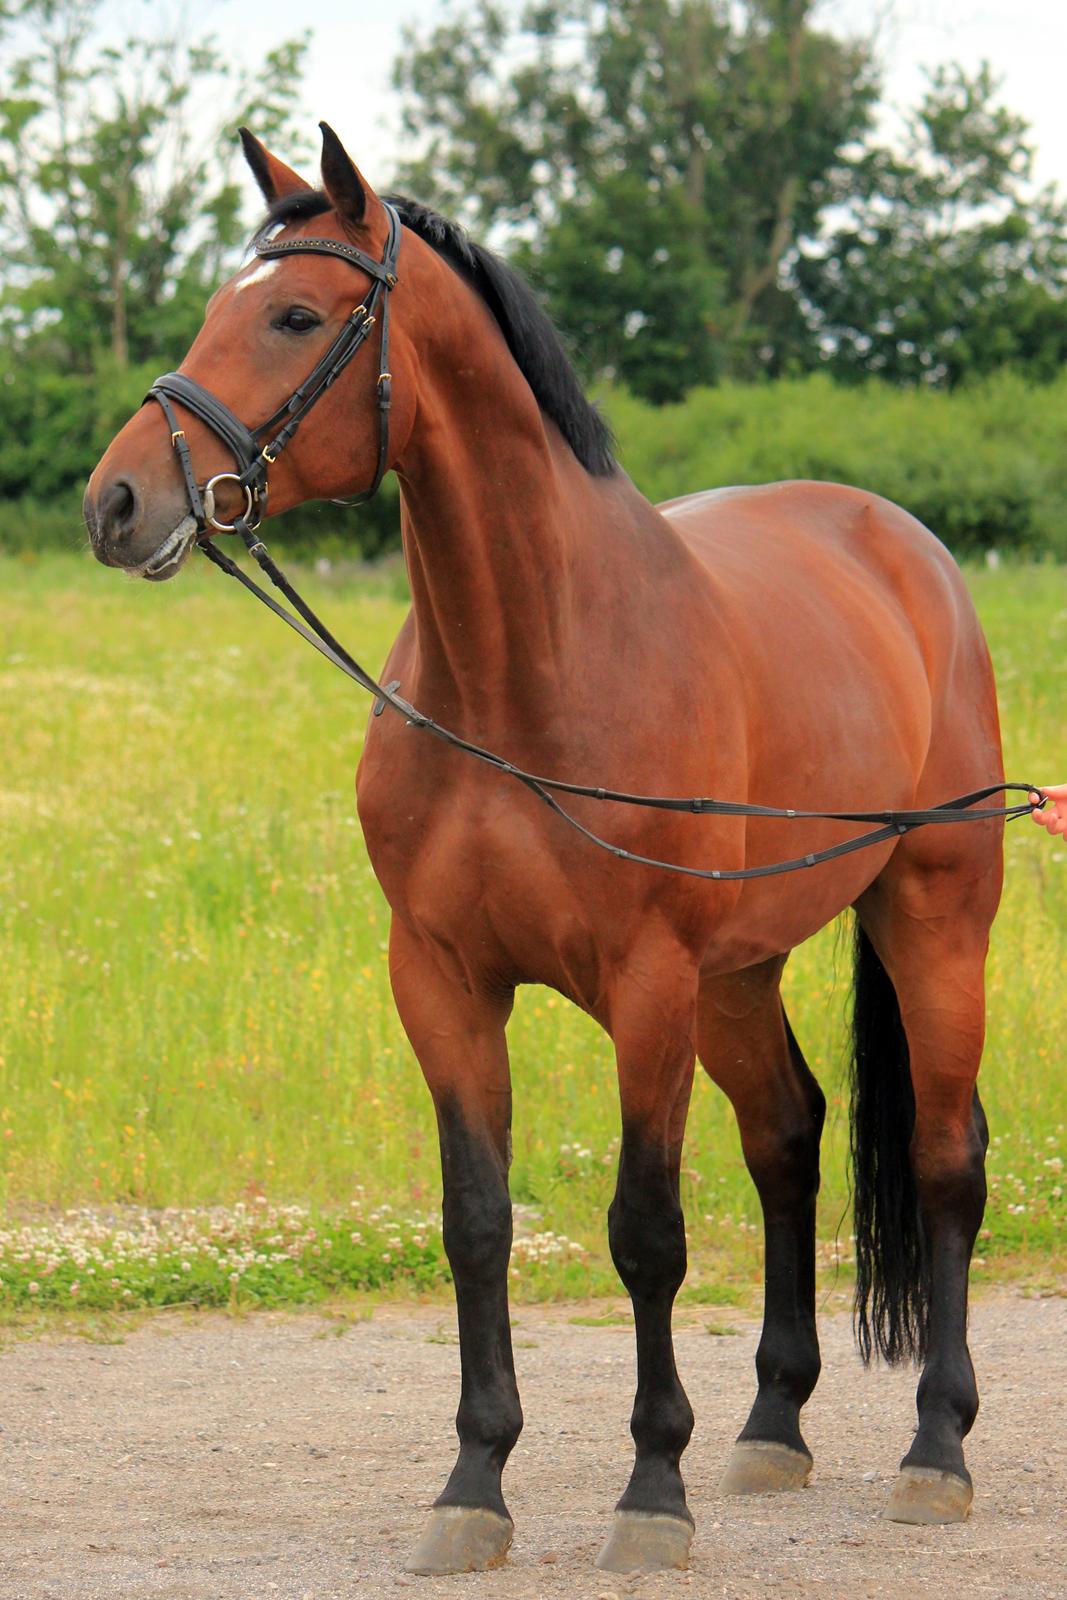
119 508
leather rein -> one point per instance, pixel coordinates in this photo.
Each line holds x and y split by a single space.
254 459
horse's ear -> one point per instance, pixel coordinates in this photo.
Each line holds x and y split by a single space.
342 182
275 179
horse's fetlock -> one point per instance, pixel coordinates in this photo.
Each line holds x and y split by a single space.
491 1422
948 1388
663 1426
790 1365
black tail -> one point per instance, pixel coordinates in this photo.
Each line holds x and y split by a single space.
892 1281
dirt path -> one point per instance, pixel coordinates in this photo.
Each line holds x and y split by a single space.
271 1459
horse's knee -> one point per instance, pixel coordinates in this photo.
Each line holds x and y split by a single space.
476 1231
647 1245
476 1225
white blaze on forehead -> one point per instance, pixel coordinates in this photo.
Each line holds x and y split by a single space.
255 274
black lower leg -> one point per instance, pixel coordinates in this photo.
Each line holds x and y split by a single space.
786 1173
952 1205
477 1239
647 1237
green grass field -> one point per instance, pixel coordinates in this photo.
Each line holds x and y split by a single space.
194 1007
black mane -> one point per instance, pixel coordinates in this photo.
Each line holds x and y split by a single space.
531 337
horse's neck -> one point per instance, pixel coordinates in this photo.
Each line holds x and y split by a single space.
506 537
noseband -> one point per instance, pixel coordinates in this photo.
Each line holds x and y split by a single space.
253 456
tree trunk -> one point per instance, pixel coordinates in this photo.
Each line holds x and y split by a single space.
120 349
759 275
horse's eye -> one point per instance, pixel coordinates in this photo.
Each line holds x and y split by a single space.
298 319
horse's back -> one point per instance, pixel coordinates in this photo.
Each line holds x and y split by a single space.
801 524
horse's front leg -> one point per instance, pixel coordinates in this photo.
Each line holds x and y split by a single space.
652 1021
458 1037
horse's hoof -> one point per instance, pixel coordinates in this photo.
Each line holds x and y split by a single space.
646 1541
925 1495
461 1539
762 1467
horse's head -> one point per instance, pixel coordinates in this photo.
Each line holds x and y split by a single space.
265 332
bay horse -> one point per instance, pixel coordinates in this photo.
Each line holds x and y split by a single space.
799 638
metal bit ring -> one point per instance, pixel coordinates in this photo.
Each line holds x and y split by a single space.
209 503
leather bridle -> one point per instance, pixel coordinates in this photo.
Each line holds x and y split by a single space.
255 450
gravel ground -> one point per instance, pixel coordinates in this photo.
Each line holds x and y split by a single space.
295 1457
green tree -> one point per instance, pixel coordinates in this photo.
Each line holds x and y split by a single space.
949 264
652 164
119 209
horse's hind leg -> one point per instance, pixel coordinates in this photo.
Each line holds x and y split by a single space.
748 1048
458 1037
652 1026
927 919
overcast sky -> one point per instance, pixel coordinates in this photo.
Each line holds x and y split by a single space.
355 41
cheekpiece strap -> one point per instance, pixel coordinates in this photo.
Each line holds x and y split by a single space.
185 460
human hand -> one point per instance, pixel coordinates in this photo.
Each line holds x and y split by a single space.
1054 815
